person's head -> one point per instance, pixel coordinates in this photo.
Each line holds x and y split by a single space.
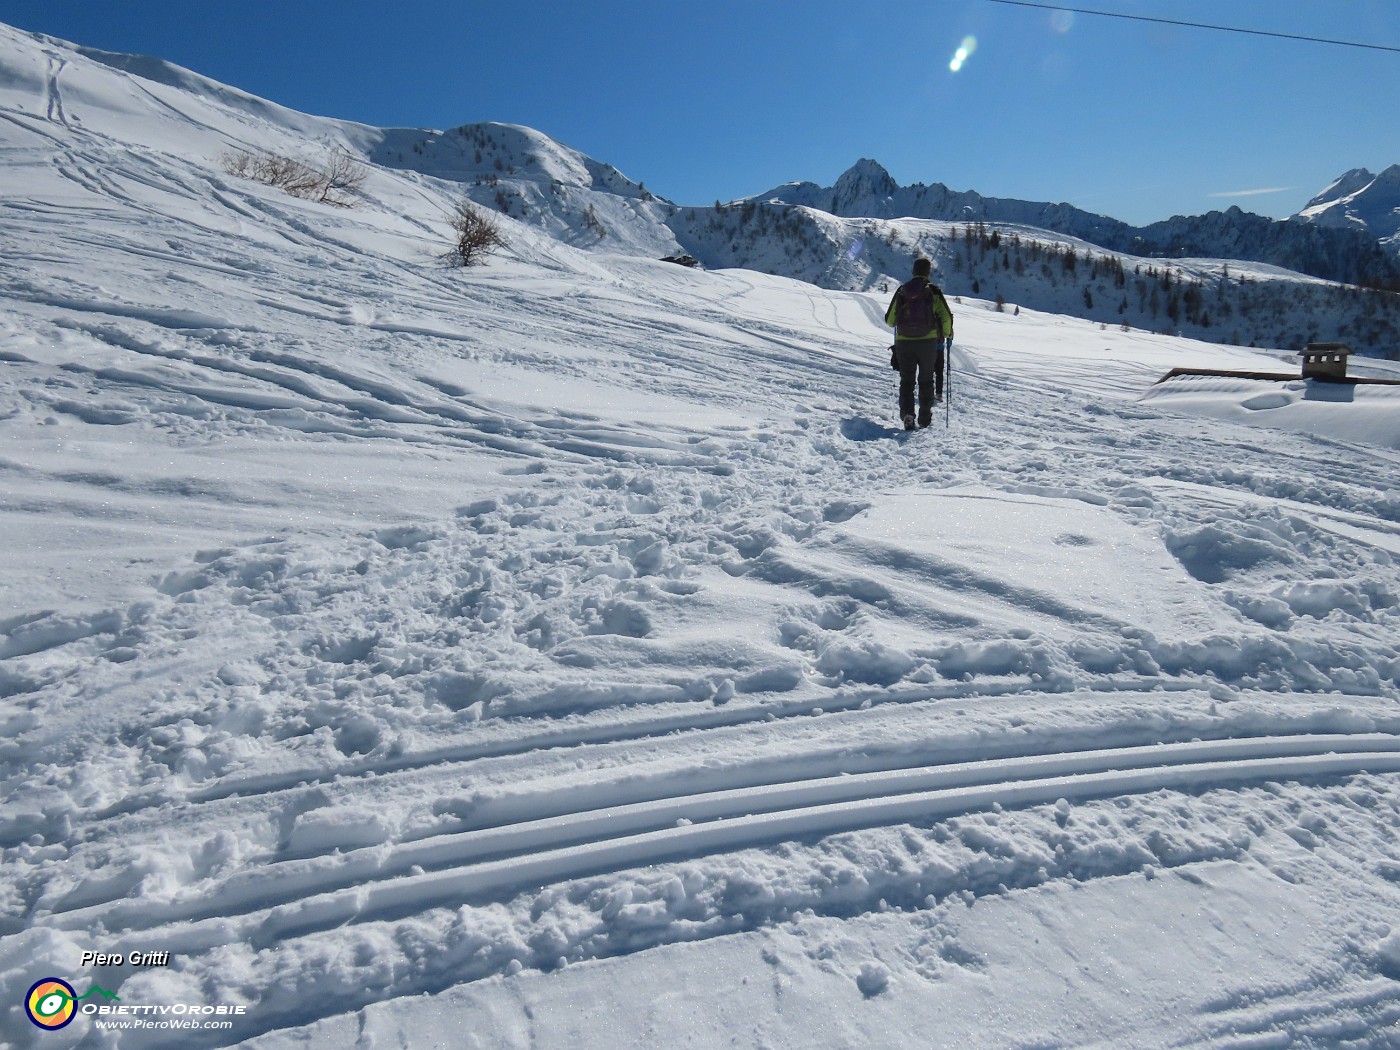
922 267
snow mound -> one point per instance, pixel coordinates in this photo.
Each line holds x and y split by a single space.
1359 412
1071 559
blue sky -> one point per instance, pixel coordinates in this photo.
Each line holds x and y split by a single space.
716 99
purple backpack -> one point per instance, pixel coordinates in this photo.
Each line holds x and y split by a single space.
914 318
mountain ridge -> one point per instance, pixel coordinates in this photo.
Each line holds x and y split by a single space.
1361 200
1346 252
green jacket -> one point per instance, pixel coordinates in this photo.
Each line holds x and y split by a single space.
942 316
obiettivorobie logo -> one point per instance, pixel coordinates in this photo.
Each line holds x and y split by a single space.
52 1002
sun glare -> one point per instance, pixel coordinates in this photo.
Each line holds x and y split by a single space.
963 53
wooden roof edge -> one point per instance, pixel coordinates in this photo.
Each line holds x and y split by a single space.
1229 373
1278 377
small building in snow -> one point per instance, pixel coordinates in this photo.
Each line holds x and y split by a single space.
1325 360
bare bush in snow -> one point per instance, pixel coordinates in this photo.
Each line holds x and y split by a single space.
336 180
476 235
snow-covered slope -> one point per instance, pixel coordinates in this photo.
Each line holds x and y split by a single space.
568 652
520 172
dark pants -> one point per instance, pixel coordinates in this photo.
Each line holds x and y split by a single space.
920 359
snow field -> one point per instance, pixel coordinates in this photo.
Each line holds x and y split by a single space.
527 651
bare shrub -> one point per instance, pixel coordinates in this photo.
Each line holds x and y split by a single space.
336 180
342 176
477 235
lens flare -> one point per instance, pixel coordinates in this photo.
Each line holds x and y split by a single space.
1062 21
963 53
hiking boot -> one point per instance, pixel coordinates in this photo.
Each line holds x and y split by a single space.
908 422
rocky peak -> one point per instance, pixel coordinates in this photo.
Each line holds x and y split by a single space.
1352 182
865 180
1390 177
1361 200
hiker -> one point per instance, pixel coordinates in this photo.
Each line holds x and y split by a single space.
923 327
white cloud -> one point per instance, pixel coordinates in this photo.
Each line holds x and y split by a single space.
1254 193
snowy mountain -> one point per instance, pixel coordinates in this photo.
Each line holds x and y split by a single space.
1360 200
521 172
1333 251
568 651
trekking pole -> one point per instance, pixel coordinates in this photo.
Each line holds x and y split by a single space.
948 384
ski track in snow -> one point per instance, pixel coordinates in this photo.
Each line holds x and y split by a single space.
646 671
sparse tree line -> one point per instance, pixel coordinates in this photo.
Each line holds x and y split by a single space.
1225 307
748 228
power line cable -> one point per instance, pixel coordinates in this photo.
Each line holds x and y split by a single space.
1196 25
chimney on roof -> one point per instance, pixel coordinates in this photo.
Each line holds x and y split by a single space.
1325 360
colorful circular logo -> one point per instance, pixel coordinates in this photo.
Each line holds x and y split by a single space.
50 1003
